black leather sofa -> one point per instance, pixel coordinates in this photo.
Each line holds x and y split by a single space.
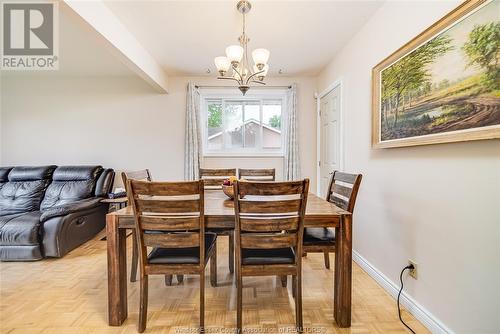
48 211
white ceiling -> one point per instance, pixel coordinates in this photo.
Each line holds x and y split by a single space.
185 36
81 52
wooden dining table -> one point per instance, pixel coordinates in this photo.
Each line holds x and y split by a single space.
219 213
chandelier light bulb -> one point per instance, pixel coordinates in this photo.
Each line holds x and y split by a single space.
234 53
260 57
223 64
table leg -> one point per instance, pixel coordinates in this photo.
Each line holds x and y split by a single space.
117 271
343 272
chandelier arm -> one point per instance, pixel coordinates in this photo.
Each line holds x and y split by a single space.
228 78
253 75
239 74
259 82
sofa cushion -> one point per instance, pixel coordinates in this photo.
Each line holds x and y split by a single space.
20 230
4 175
5 219
28 173
71 183
105 182
25 189
20 253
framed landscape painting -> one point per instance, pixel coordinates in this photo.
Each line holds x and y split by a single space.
444 85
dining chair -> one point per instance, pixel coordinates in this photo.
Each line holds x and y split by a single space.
268 231
213 178
342 192
169 217
268 174
144 175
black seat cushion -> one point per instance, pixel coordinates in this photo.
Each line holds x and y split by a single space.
189 255
319 235
250 256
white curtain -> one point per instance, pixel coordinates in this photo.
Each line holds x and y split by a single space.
193 148
291 170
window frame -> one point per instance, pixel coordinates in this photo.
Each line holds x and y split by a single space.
230 95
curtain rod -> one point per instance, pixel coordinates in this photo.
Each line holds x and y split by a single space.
260 87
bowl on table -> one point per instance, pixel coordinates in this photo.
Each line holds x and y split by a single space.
227 186
228 190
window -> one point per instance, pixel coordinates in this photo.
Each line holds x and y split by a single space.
234 125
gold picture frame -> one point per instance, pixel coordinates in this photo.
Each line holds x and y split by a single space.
425 122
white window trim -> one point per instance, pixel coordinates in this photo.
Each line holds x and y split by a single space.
207 94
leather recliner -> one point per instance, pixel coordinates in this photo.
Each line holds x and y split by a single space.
48 211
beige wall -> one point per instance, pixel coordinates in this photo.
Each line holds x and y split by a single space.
438 205
119 122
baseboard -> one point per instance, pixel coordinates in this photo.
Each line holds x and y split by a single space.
418 311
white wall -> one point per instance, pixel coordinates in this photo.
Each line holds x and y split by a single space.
438 204
119 122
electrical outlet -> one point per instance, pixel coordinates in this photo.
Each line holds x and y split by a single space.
414 271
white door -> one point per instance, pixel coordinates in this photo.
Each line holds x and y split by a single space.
329 137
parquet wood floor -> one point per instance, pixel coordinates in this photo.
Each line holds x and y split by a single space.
69 296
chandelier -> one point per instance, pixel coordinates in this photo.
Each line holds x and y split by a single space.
235 65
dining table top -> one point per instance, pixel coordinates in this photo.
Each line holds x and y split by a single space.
217 204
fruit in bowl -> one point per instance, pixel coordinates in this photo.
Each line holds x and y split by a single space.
230 181
227 186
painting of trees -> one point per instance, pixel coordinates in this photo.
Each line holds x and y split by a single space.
444 85
483 49
408 75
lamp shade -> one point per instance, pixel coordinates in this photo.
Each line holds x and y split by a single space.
222 64
260 56
234 53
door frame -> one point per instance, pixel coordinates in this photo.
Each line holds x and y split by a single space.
331 87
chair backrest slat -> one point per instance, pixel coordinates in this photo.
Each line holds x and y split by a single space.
152 204
264 224
214 177
343 190
278 189
268 241
170 223
168 188
270 214
268 174
345 177
172 240
270 206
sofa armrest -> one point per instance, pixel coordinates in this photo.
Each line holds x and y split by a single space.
65 209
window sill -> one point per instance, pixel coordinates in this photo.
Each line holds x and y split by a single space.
243 155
